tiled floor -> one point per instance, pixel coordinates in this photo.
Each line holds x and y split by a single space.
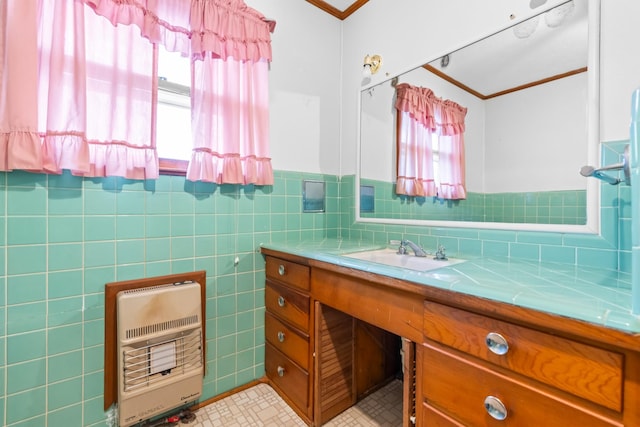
260 406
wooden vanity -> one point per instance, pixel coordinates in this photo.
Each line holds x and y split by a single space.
332 338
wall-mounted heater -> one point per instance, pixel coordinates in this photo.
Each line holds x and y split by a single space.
160 362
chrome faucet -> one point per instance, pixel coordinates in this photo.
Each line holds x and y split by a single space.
440 254
417 250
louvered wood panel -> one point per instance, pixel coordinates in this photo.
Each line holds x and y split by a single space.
335 370
409 381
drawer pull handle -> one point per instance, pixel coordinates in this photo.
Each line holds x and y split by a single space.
281 270
280 371
280 336
281 301
496 343
495 408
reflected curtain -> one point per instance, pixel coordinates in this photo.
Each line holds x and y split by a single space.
421 116
81 89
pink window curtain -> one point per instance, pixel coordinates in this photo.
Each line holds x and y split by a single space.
20 146
230 98
86 100
94 94
421 115
230 47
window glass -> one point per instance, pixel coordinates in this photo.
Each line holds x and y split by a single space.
435 145
173 127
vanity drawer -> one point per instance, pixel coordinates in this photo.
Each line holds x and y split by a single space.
288 304
287 340
582 370
287 272
467 392
285 374
431 417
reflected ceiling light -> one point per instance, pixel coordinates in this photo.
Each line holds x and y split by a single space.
526 28
556 16
553 18
536 3
371 65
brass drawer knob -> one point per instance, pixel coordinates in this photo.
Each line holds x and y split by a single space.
281 301
495 408
496 343
281 270
280 371
280 336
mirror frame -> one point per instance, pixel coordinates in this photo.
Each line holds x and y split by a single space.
592 225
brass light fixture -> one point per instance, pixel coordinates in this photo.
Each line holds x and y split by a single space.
371 64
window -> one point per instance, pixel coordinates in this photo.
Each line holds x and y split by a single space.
81 91
173 126
430 139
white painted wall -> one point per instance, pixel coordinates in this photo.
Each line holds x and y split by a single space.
304 86
620 66
542 150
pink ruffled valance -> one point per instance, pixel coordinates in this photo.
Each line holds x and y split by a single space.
439 115
222 28
229 28
165 23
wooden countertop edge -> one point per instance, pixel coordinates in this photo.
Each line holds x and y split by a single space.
529 317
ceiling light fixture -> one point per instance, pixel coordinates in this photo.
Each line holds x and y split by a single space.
371 65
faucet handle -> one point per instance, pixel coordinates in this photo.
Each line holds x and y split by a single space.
440 254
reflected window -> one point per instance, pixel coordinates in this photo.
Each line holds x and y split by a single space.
430 138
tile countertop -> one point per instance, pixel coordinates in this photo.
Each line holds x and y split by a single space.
591 294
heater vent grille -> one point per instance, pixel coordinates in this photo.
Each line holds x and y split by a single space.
149 364
162 326
160 350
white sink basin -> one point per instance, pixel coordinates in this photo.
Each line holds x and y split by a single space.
391 258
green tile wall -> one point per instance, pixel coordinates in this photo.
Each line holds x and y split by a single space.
62 238
548 207
612 249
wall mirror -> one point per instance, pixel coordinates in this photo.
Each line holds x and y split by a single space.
531 91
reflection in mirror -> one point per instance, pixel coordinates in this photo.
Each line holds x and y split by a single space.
531 123
313 196
367 198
